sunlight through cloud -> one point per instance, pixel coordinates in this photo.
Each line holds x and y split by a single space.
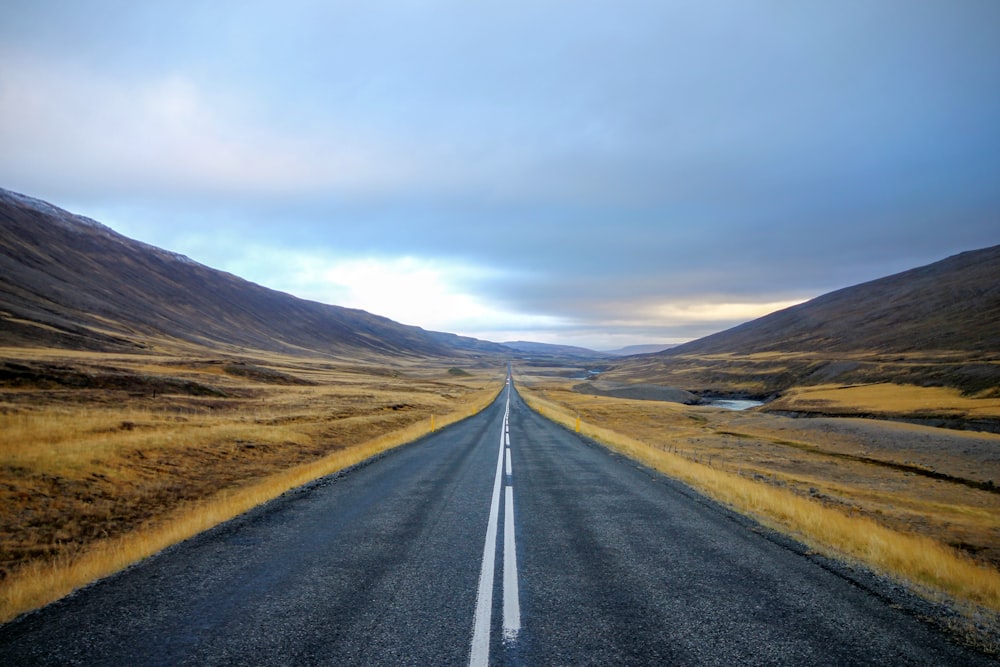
675 313
432 294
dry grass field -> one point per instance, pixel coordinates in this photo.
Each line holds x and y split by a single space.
914 502
886 399
105 458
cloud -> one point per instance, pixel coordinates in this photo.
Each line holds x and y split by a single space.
408 289
451 296
438 294
707 312
167 136
551 170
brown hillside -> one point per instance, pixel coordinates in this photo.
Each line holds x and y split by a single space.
937 325
953 304
69 282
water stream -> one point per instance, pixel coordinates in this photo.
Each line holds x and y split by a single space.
734 403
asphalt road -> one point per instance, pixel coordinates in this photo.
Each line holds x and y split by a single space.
450 552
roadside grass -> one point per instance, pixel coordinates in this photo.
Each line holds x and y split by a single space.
928 565
93 480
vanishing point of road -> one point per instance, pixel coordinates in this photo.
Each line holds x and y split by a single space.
503 539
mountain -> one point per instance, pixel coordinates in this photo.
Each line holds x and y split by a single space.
953 304
573 352
934 325
67 281
550 350
630 350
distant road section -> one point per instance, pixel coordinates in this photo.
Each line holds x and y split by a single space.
504 539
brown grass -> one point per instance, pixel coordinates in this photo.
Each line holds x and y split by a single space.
889 399
896 522
111 469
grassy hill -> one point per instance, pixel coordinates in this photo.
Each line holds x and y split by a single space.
932 326
949 305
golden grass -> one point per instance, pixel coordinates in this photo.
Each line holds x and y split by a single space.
42 582
923 562
66 440
93 479
888 398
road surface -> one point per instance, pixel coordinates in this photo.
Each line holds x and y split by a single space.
503 539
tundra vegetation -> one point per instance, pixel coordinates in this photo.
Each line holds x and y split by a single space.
108 458
916 503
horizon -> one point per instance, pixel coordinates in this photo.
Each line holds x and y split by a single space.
597 176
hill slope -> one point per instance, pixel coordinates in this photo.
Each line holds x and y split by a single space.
630 350
953 304
934 325
69 282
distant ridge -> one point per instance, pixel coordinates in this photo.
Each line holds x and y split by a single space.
67 281
629 350
552 350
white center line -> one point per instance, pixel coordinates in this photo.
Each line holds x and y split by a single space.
511 596
479 655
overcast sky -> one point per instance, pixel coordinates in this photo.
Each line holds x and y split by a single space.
590 173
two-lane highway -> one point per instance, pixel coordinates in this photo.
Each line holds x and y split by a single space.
504 539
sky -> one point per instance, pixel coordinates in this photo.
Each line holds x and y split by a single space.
575 172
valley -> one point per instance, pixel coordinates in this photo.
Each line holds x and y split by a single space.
145 398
